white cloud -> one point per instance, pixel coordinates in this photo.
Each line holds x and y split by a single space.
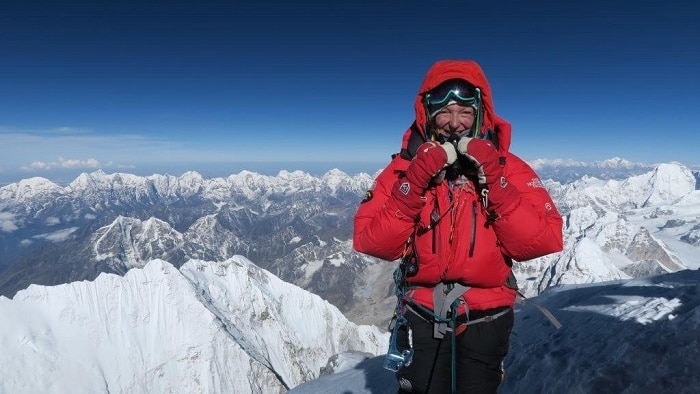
63 163
112 164
72 163
58 236
36 166
6 223
69 149
69 130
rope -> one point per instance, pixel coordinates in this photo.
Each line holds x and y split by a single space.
395 357
453 356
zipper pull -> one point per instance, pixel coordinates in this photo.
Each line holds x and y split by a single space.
485 198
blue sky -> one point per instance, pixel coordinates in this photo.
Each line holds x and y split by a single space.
218 86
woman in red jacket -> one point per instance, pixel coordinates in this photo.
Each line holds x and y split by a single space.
457 208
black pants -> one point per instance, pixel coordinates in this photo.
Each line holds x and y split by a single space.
479 352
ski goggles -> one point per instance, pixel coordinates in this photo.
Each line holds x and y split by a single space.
456 90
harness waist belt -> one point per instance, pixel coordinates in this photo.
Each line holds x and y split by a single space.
461 320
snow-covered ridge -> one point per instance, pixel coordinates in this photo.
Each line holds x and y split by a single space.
248 183
666 184
188 184
209 327
615 162
619 229
567 171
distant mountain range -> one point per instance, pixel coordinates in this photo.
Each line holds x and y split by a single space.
566 171
636 221
172 305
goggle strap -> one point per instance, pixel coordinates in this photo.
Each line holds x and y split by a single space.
477 121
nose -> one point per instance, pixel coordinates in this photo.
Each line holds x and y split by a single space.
454 121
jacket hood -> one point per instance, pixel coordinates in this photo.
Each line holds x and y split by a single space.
471 72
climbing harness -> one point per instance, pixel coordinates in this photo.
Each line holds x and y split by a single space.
447 298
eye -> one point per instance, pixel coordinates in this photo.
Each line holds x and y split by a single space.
442 114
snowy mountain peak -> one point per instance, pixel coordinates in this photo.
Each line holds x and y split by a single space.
670 182
89 181
130 243
29 188
105 188
209 327
616 162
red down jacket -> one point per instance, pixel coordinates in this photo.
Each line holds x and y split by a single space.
462 247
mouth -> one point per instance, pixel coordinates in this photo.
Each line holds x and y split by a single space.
445 136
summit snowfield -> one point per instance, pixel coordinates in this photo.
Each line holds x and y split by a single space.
227 327
618 337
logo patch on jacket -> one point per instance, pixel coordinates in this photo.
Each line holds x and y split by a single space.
504 182
535 182
405 188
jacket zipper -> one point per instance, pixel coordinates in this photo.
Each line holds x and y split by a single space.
472 242
434 219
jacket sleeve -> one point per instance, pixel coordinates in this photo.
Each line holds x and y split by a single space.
533 227
380 228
